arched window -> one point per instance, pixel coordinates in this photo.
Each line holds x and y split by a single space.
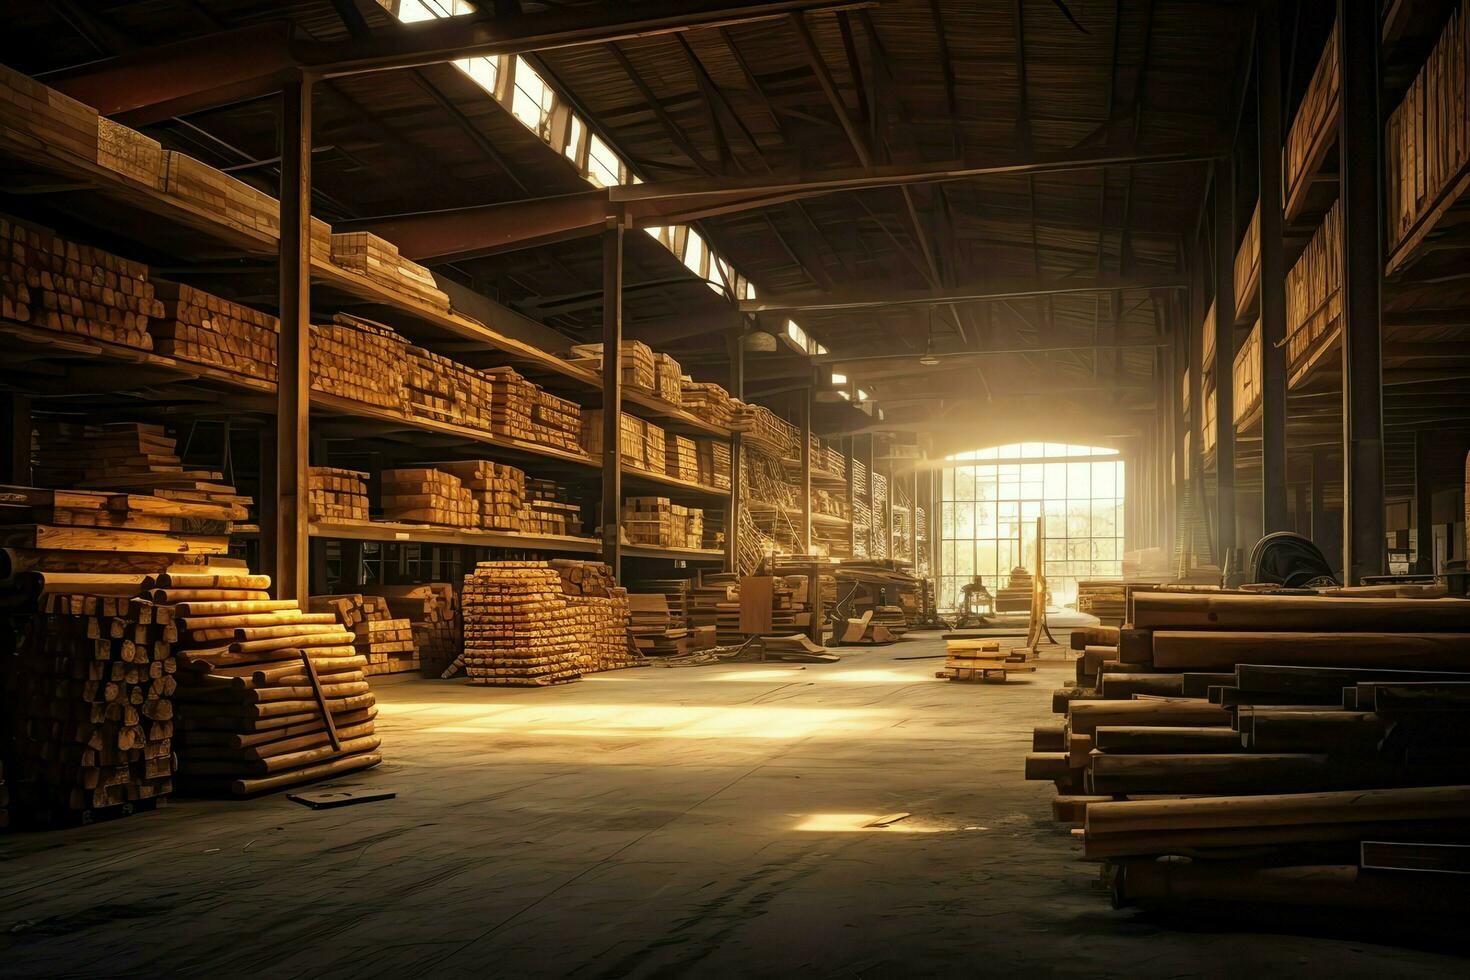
992 497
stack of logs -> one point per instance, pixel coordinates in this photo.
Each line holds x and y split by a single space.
600 614
518 630
1312 726
269 696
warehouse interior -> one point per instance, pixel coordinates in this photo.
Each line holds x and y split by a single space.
660 487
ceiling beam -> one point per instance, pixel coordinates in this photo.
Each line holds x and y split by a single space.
251 62
996 289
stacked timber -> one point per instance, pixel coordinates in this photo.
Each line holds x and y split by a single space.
1106 600
38 113
269 696
443 390
64 287
128 152
768 432
1015 595
512 404
1308 129
1289 712
556 421
654 631
659 522
202 328
234 203
668 378
126 457
600 614
359 360
676 593
550 509
1314 288
642 444
681 459
497 489
431 610
336 495
638 363
518 630
707 401
713 463
90 706
379 260
424 495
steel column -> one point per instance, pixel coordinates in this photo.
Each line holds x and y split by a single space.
851 527
1423 502
1224 358
293 388
1318 529
805 395
612 397
1274 513
1359 139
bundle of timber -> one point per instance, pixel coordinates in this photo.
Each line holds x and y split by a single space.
600 614
773 434
431 610
1104 599
1427 138
654 631
233 202
518 630
706 401
681 460
498 490
1314 288
512 403
36 112
662 523
359 360
90 705
668 379
197 326
59 285
269 696
639 367
128 152
713 463
557 421
981 660
1308 128
630 437
550 509
336 495
378 259
447 391
676 593
126 457
1016 595
427 496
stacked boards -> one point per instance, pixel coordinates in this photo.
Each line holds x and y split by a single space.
982 660
518 630
600 612
269 696
431 611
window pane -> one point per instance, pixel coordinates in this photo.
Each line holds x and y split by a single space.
604 168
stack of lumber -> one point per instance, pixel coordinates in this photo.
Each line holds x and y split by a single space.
659 522
1016 595
639 367
676 593
652 627
90 706
767 431
518 630
424 495
76 289
1318 104
630 438
498 490
359 360
235 203
981 660
681 458
600 614
385 644
196 326
128 152
557 421
446 391
431 612
378 259
336 495
40 114
269 696
1314 288
668 379
706 401
126 457
1427 138
1103 599
512 403
551 510
715 601
1251 699
714 463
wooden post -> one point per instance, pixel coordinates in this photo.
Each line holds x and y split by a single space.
805 396
293 389
1360 140
851 527
735 347
1423 503
15 423
612 396
1274 513
1224 358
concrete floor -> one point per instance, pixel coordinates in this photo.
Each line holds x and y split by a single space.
664 823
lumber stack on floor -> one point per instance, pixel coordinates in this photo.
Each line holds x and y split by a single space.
600 613
385 643
1284 732
90 706
269 696
518 630
431 610
1105 600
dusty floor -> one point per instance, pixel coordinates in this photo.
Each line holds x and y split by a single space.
693 822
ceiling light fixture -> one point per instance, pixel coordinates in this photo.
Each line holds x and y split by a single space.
929 358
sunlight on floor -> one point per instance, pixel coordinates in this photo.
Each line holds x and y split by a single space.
852 823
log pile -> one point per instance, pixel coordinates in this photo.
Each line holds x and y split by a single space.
196 326
269 696
556 421
90 707
427 496
378 259
336 495
518 630
498 490
446 391
359 360
431 610
61 286
659 522
1291 716
600 613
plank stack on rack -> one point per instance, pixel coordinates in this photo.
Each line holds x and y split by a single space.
378 259
512 404
443 390
714 463
233 202
498 490
706 401
125 457
659 522
336 495
431 612
668 378
551 510
1314 288
681 459
90 707
772 434
557 421
518 630
1316 724
639 365
43 114
269 696
126 151
600 613
193 325
359 360
61 286
427 496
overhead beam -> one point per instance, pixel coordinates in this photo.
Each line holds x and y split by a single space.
251 62
993 290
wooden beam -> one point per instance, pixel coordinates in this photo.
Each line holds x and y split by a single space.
293 396
994 290
829 89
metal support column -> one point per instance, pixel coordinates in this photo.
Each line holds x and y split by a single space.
1359 137
15 423
293 394
1275 515
1224 358
1318 530
736 350
612 397
1423 503
805 395
847 461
